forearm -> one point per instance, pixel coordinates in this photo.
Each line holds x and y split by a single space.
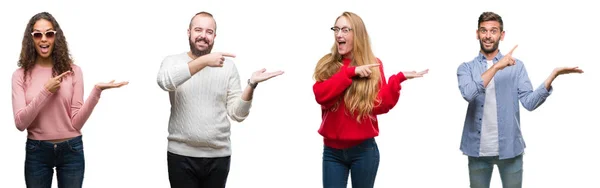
239 107
196 65
389 94
172 76
81 115
549 80
248 93
470 85
332 88
488 75
25 114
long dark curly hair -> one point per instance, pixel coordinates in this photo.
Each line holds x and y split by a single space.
60 52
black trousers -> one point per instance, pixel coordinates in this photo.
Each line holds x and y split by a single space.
193 172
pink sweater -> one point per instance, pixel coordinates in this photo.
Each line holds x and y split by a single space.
46 115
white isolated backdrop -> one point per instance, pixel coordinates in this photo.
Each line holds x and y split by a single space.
278 145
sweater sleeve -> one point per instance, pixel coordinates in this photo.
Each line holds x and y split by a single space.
389 93
237 108
328 91
172 74
25 113
81 111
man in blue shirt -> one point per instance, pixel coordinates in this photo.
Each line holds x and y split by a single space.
493 84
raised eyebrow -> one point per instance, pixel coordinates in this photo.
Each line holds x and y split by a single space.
491 28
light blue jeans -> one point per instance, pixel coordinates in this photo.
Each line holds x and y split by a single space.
481 168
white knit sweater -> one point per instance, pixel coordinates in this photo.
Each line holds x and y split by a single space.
200 104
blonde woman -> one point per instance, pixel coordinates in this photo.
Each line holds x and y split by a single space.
352 90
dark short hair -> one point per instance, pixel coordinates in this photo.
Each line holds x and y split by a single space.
490 16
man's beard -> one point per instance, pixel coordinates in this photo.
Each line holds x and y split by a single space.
195 50
489 51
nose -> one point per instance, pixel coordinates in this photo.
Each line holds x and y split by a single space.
44 39
339 34
202 34
488 35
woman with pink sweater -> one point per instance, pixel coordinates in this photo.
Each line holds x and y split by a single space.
47 100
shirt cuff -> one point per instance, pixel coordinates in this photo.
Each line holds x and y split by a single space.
244 106
95 94
479 84
401 77
45 92
543 91
350 72
181 73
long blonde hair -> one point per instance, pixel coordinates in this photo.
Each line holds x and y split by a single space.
361 97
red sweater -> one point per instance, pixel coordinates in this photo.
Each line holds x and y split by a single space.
338 128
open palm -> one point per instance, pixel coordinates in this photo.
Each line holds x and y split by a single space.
415 74
111 84
567 70
262 75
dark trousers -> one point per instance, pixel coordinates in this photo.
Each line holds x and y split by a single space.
42 157
360 161
193 172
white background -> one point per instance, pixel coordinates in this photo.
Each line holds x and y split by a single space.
278 145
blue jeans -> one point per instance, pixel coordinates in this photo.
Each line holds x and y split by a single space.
42 157
481 168
361 160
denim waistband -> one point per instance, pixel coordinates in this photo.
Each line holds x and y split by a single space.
72 141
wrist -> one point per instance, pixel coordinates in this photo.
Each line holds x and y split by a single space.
495 67
252 83
98 87
350 71
201 62
554 74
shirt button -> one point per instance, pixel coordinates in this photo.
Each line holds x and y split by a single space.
482 105
479 119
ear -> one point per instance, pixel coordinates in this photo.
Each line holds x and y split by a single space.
502 36
188 33
477 34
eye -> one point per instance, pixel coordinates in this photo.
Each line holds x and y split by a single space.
37 35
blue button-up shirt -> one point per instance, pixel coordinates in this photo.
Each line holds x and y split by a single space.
512 85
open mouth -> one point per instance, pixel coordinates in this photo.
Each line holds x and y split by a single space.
44 48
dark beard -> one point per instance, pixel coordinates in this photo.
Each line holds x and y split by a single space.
195 50
494 47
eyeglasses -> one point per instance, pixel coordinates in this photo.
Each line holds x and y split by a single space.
344 30
39 35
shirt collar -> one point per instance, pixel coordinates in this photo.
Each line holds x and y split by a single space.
482 58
